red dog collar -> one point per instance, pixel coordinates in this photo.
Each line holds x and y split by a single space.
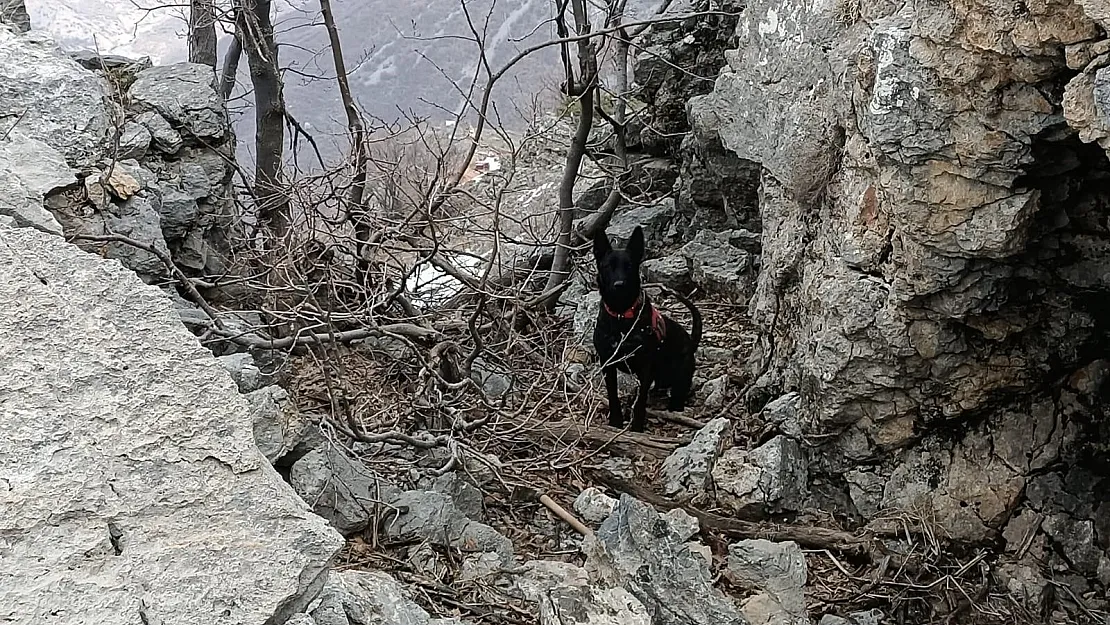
658 325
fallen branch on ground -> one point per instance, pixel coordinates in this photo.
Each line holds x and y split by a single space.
808 537
624 443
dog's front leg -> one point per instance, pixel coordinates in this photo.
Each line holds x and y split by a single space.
616 419
639 409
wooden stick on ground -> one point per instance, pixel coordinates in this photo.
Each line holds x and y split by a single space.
562 513
527 493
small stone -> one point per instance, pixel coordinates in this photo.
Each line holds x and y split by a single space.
594 505
134 140
715 391
716 265
179 214
137 219
166 139
122 184
655 219
345 492
278 426
682 524
672 271
243 370
633 549
432 516
688 468
95 191
1077 539
565 595
463 494
778 569
494 383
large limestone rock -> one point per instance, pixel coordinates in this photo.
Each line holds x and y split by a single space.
131 490
164 183
29 169
934 247
50 97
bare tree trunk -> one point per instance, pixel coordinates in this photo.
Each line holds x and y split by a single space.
355 209
230 69
354 120
202 32
257 32
584 89
621 46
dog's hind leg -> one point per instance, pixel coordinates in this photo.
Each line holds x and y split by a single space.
616 419
680 390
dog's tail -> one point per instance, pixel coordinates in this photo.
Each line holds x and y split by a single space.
695 332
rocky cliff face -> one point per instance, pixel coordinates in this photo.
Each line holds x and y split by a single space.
934 256
127 150
131 487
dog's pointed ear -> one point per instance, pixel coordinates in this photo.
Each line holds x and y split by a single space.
602 246
636 245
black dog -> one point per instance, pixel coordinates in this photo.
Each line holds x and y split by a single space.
633 336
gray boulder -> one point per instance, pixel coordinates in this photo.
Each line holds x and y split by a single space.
716 265
165 139
772 476
369 598
54 99
138 220
635 549
432 516
566 596
179 214
185 94
29 170
776 572
687 470
134 487
343 491
134 140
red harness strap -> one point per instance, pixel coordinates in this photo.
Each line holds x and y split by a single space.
658 325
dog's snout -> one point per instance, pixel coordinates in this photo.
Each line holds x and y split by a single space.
618 283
